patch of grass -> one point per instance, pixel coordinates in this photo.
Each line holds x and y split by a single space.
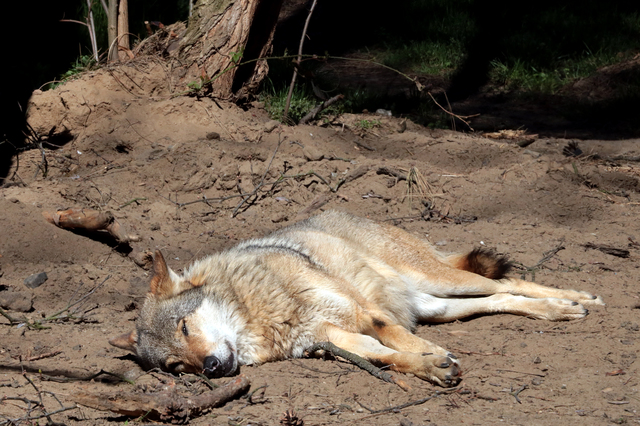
427 57
368 124
275 99
520 75
82 64
540 49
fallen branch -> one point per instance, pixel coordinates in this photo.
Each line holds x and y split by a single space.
410 403
164 405
608 250
392 172
358 361
43 356
515 393
459 117
90 220
315 111
60 375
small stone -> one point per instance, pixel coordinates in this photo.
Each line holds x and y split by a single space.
537 360
36 280
19 301
536 381
269 126
14 200
213 135
386 112
278 217
532 153
312 154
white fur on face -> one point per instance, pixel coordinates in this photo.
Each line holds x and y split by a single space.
216 324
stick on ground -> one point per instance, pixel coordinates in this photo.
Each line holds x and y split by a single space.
358 361
165 405
90 220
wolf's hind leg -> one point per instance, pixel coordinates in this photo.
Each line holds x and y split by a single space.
454 282
548 308
438 369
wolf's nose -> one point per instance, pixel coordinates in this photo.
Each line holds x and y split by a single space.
211 363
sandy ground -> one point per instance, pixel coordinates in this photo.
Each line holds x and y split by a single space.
170 170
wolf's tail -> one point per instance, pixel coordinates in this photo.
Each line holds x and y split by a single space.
482 262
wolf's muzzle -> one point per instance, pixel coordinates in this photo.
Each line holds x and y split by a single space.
213 367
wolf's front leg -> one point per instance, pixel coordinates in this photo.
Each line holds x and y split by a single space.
439 369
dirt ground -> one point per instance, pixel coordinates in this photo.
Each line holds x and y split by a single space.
171 170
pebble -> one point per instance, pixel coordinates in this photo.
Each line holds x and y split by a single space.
19 301
312 154
36 280
269 126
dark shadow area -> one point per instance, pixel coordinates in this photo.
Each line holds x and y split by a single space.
546 37
104 238
44 50
41 49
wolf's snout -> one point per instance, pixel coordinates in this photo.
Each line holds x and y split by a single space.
211 364
213 367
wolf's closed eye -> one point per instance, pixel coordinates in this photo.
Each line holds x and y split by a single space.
185 330
175 367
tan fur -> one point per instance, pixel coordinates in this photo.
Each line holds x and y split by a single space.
334 277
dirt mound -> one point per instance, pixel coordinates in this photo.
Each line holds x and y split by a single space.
192 176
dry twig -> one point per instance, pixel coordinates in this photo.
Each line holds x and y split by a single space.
315 111
90 220
358 361
165 405
285 116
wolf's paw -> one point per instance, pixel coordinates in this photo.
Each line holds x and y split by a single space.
441 370
589 299
561 310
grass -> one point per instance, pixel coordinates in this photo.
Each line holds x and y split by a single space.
275 99
540 49
82 64
523 49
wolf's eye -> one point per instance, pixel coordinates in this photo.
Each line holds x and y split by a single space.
185 331
175 367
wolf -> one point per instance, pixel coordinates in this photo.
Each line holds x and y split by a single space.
362 285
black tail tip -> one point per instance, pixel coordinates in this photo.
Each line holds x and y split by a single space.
487 263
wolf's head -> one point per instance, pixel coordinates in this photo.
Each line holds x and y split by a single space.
179 329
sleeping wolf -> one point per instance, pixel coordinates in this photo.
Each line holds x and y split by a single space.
334 277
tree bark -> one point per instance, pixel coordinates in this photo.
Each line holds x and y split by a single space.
123 28
224 33
112 29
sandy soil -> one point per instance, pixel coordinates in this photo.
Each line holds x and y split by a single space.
171 170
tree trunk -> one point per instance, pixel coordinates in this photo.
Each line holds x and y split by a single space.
112 29
224 33
123 28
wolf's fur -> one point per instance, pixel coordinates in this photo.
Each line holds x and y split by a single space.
334 277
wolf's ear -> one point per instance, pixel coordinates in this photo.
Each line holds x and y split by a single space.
165 283
127 341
